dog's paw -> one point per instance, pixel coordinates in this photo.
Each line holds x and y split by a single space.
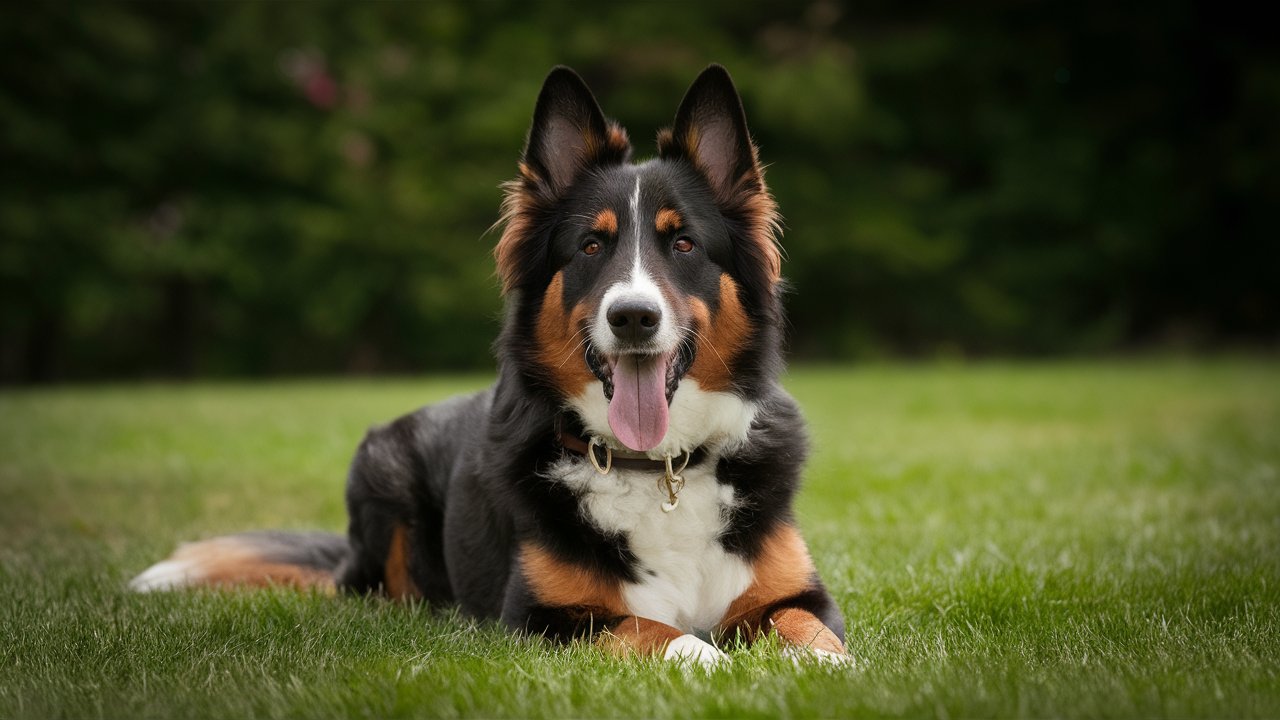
806 655
689 650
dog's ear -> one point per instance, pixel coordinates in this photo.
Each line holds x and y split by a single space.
710 132
569 132
569 135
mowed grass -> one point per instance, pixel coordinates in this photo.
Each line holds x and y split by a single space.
1066 539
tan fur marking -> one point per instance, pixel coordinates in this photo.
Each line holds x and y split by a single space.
802 628
225 562
519 203
560 584
614 142
747 196
530 195
260 573
765 225
637 636
691 140
720 339
666 141
782 570
606 222
399 583
558 340
668 220
616 139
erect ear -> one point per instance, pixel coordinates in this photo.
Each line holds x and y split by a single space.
569 133
711 131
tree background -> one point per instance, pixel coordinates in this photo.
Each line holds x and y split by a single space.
228 189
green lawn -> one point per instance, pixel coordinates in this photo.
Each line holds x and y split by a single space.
1059 539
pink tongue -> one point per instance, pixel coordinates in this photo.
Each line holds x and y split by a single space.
638 410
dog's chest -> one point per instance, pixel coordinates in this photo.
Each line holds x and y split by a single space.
686 579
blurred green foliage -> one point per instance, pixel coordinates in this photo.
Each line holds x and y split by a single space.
263 188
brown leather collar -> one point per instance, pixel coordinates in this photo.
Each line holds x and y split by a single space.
621 459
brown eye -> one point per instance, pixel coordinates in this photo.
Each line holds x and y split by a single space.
683 244
590 247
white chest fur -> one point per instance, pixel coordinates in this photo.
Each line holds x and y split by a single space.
699 418
686 579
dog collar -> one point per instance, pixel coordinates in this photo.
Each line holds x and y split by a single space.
669 469
601 455
569 434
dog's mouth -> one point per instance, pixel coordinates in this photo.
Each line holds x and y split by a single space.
639 388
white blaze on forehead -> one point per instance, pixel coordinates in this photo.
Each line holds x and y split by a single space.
639 286
635 221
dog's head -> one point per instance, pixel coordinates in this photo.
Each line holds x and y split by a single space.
643 296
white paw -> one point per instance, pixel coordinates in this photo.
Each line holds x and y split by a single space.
803 655
688 649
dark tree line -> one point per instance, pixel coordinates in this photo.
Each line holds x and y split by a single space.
262 188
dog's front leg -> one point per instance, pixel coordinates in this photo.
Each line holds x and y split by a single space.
617 634
634 635
803 633
786 597
561 600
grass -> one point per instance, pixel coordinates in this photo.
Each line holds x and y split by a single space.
1067 539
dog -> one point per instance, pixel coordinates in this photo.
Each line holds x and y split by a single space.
629 477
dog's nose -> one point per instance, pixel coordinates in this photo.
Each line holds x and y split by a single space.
634 320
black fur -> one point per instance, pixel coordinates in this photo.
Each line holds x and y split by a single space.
467 479
486 478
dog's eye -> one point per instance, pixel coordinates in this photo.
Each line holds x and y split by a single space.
590 247
683 244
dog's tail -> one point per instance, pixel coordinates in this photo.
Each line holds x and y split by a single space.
256 559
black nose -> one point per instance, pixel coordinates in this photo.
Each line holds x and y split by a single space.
634 320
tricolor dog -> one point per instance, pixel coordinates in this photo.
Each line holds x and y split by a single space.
629 477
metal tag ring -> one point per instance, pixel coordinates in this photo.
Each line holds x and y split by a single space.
608 456
675 474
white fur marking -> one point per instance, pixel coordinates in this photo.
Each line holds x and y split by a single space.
635 222
801 656
686 579
689 649
715 419
639 286
167 575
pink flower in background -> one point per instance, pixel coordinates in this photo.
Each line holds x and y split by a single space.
321 89
310 74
